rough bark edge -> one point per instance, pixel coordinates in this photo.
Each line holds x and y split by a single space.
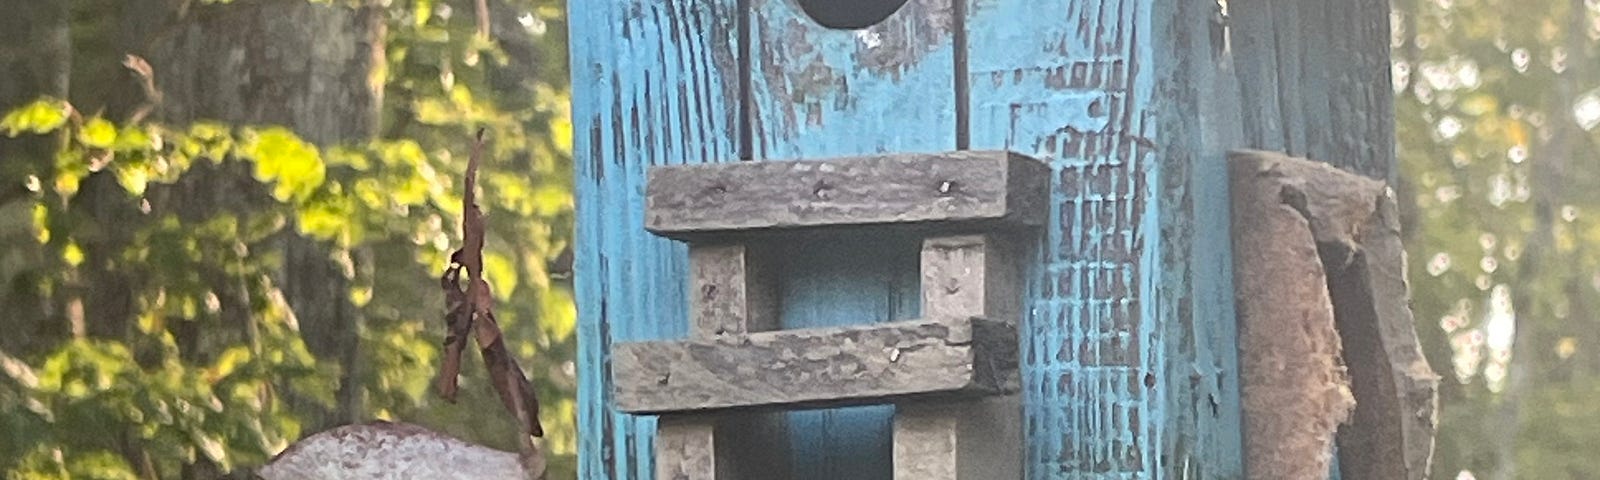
1285 209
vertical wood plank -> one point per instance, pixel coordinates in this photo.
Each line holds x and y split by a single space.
1315 81
1075 82
686 449
826 281
964 276
1193 265
971 276
731 293
821 92
818 92
654 82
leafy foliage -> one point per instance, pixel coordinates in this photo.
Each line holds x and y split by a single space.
1497 113
215 369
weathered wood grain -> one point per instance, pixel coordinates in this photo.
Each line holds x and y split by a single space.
731 292
1078 83
653 82
1355 231
962 189
965 276
817 92
968 439
808 368
972 276
1294 384
686 448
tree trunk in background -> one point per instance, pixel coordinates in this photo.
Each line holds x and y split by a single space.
35 60
293 63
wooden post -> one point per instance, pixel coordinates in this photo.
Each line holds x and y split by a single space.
964 276
729 295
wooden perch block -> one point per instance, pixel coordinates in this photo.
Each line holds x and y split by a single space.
964 276
1318 269
731 293
971 190
963 440
819 367
686 449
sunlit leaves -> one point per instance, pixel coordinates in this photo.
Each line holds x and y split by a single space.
1493 140
292 165
194 385
501 273
40 117
97 133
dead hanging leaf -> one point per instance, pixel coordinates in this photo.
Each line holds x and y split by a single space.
472 311
458 324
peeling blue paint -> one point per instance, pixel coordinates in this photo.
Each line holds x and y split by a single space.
1128 331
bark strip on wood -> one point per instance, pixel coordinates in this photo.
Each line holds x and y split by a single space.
1294 386
970 189
818 367
1319 273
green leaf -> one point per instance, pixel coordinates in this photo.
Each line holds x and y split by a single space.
100 465
329 218
501 274
40 117
558 314
135 139
41 223
97 133
133 176
292 165
72 254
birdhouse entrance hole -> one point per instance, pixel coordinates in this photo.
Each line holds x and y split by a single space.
849 14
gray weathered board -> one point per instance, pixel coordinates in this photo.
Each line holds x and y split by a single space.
817 367
973 190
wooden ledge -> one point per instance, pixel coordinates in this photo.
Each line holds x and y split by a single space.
817 367
960 190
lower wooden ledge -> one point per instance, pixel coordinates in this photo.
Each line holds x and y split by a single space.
817 367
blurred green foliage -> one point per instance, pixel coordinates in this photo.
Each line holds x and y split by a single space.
1497 109
163 397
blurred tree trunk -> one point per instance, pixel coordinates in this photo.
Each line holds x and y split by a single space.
305 66
1554 183
35 60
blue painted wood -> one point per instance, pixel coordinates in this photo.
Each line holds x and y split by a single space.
1129 331
654 82
1129 335
838 280
817 93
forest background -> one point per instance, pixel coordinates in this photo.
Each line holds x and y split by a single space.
231 238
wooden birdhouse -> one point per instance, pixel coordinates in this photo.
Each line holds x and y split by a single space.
989 239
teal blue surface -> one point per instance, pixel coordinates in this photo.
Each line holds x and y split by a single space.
1128 360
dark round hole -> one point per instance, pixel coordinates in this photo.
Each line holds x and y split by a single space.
849 14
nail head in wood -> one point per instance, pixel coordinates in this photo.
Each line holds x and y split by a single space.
970 190
820 367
